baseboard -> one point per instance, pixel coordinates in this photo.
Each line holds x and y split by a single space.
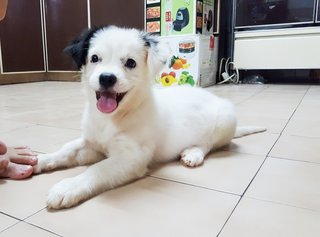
63 76
38 77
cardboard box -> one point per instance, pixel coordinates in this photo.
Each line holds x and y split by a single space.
192 61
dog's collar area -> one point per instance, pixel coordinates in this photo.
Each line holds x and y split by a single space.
108 101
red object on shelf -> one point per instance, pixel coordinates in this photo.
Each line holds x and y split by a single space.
211 42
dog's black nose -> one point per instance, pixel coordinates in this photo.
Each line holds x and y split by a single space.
107 80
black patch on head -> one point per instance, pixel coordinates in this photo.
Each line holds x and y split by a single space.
149 39
78 49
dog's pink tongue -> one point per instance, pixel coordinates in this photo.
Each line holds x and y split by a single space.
106 104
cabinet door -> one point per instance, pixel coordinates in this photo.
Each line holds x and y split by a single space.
264 13
21 37
117 12
65 19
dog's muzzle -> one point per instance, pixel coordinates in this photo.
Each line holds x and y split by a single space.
107 99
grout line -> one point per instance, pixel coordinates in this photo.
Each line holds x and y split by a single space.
225 223
262 200
193 185
295 160
8 215
275 142
302 136
9 227
263 161
41 228
24 219
19 221
282 204
253 95
52 126
15 129
242 195
295 110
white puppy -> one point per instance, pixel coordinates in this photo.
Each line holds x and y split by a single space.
128 124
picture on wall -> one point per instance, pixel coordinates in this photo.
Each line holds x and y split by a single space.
178 17
153 16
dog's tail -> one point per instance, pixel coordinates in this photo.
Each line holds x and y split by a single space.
247 130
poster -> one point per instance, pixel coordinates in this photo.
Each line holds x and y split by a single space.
178 17
153 16
182 67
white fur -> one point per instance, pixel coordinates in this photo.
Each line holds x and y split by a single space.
150 125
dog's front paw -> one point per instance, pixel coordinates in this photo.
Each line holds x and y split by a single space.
67 193
45 163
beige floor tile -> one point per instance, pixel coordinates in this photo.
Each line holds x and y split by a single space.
46 115
311 100
40 116
292 89
256 144
273 125
24 229
148 207
279 95
25 197
268 111
275 100
307 110
224 171
6 222
266 107
235 95
238 89
290 182
40 101
314 88
8 126
255 218
305 127
11 113
297 148
40 138
72 122
234 99
305 121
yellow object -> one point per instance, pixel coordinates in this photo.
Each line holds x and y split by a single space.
185 66
168 80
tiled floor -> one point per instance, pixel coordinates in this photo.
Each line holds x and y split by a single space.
261 185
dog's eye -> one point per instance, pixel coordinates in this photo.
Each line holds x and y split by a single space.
130 63
94 58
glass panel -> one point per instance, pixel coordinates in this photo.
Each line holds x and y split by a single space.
266 12
318 12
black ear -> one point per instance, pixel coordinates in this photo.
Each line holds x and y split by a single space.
149 39
158 52
78 49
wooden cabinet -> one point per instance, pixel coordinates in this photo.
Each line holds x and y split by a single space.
21 37
63 20
35 32
117 12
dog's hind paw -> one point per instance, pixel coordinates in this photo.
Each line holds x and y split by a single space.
192 157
